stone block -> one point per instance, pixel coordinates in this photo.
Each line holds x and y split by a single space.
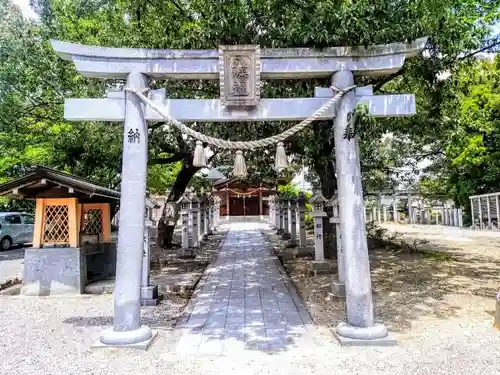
376 335
143 345
321 267
149 296
54 271
338 289
389 340
285 257
285 236
301 252
186 254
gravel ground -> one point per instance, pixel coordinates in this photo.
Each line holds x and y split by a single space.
442 325
11 266
54 335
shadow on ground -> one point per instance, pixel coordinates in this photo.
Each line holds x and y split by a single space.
435 282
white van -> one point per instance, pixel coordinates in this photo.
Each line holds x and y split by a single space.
15 228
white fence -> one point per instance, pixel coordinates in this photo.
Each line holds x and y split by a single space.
485 210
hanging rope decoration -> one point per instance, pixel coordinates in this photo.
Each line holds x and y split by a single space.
240 169
240 193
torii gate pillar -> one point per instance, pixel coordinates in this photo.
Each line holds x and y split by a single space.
127 329
360 327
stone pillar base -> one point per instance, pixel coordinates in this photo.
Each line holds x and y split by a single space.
149 296
496 322
139 338
321 267
301 252
186 253
377 335
290 244
285 236
338 289
54 271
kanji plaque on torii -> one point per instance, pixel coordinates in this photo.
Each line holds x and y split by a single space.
239 75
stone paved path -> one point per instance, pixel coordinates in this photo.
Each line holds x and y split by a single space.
245 302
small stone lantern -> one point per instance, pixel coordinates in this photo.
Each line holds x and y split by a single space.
301 207
338 287
202 227
211 223
318 212
271 210
217 202
184 203
279 215
195 210
284 205
293 222
149 293
278 219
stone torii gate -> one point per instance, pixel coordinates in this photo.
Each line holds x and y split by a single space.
239 69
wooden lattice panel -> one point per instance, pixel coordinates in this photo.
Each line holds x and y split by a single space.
56 225
92 222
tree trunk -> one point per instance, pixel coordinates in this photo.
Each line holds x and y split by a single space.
326 174
170 213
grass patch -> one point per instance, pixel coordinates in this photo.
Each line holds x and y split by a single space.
436 255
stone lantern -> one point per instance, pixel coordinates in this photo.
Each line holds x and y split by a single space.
318 202
184 203
292 209
195 210
301 207
149 293
211 205
278 219
285 211
202 222
271 210
338 287
217 202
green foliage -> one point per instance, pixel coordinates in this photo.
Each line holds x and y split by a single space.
471 151
34 81
289 191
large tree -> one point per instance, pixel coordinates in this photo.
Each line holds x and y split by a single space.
454 27
470 150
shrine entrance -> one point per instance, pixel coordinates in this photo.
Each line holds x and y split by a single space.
239 70
241 198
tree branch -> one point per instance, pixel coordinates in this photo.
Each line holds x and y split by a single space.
479 51
430 153
387 79
157 125
172 159
168 148
209 160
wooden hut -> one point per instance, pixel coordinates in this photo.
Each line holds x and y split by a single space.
72 243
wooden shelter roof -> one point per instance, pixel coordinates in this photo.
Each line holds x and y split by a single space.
44 182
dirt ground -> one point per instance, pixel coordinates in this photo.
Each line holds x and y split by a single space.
450 273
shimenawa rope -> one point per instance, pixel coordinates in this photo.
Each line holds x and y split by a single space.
240 167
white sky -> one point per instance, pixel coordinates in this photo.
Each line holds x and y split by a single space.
25 8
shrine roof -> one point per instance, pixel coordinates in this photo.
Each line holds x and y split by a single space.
44 182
